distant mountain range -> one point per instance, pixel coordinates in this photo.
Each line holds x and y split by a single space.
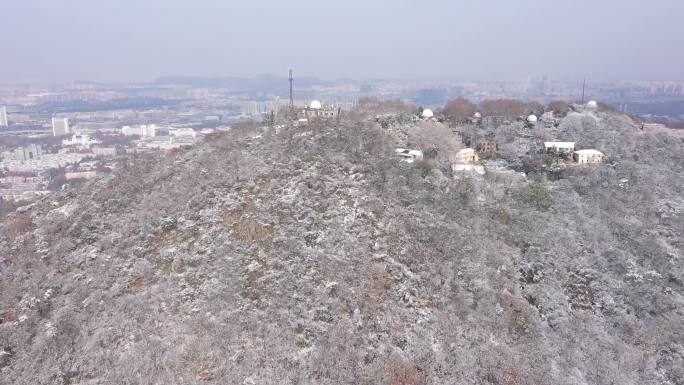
257 84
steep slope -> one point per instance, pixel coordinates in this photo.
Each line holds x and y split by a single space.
312 256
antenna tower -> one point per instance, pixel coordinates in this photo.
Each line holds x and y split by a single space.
291 96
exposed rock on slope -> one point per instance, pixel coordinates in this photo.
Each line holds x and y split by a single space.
314 257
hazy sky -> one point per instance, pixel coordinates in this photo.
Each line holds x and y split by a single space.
137 40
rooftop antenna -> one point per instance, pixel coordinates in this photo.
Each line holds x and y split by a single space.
291 96
584 86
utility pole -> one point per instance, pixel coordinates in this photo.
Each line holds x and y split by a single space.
584 86
291 107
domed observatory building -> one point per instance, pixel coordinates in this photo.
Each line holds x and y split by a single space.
316 110
428 115
476 118
592 105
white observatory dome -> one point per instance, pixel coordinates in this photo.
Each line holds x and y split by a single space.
315 105
427 113
532 119
592 105
477 115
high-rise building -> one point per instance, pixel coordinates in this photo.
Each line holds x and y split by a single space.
60 126
250 108
3 117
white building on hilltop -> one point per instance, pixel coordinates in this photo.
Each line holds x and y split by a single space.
316 110
60 126
588 156
467 155
559 147
467 160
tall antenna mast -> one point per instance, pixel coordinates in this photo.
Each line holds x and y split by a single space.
584 86
291 96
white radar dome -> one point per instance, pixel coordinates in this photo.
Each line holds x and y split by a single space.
316 105
532 119
592 105
427 113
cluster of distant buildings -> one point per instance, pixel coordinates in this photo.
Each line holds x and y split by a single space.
22 185
565 151
32 159
469 159
152 137
27 170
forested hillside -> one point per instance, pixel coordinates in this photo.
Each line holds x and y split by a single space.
314 256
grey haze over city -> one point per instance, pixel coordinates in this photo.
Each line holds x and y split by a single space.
134 40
